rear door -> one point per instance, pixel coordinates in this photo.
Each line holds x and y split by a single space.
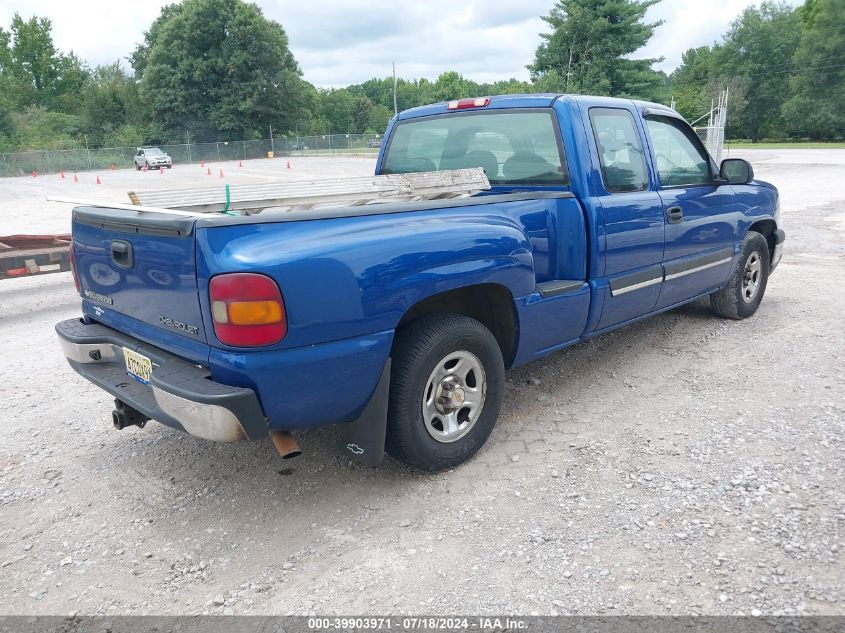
633 216
139 276
701 217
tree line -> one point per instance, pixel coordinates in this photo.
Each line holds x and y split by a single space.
220 70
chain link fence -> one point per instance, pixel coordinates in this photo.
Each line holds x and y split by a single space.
713 133
71 160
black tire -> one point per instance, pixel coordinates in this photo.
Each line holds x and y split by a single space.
420 349
733 301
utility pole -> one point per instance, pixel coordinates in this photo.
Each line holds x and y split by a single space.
395 102
569 68
188 138
272 145
87 151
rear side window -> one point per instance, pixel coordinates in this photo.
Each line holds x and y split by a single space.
620 149
680 160
516 147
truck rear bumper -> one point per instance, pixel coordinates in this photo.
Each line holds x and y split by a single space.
179 394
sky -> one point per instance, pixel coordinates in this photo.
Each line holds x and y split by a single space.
341 42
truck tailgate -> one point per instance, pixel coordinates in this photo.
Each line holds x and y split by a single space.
139 269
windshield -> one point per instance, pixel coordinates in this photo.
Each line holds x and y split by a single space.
515 147
153 151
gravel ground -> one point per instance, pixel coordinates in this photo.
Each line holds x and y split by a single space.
684 465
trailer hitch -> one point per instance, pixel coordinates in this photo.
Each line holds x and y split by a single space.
124 415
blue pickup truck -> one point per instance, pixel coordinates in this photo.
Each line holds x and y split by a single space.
396 321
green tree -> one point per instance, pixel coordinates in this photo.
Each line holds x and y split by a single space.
38 128
505 87
72 74
219 63
34 59
757 53
379 117
110 101
451 85
33 72
816 107
692 83
362 108
7 103
589 49
337 107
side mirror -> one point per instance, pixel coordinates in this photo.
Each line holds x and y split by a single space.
736 171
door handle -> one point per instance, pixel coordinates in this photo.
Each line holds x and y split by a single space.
675 215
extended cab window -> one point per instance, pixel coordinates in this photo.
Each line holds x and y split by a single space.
680 160
514 147
623 165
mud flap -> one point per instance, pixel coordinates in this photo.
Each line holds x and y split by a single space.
363 438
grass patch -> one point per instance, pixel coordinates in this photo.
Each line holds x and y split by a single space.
785 145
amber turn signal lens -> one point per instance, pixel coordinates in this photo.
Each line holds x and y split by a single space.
254 312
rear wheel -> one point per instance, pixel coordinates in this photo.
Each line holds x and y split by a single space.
445 392
741 297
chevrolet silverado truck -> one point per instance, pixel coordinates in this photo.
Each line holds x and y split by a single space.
397 320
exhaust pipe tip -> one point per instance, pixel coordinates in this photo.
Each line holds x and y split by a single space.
285 444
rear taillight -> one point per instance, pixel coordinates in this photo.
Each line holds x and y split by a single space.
247 309
72 260
464 104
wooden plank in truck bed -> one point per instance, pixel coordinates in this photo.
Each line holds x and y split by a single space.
309 194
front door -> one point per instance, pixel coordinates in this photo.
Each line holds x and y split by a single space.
700 216
633 218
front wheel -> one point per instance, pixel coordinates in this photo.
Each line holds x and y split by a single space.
445 392
741 297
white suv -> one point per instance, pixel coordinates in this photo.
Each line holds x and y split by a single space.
152 157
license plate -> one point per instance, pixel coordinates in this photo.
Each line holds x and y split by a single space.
138 366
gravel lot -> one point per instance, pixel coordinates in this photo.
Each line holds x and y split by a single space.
684 465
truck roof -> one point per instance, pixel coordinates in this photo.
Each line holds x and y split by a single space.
539 100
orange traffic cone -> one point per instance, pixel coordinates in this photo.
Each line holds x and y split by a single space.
221 173
144 168
75 179
208 173
288 164
62 175
98 181
34 174
113 168
202 163
161 170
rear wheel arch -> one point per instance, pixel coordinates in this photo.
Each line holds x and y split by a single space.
491 304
